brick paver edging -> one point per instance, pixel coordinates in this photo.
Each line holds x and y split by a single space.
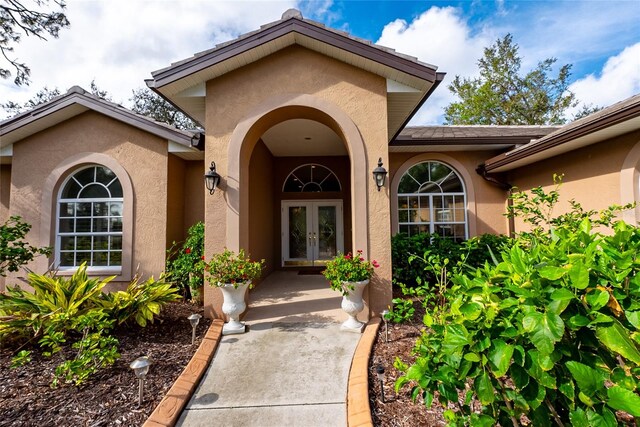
168 411
358 409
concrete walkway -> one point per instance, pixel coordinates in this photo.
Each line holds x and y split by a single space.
290 369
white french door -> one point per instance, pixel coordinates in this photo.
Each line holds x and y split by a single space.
312 231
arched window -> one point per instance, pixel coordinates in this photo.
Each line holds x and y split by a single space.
432 199
89 220
311 178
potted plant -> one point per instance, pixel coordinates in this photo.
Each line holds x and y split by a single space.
185 263
349 274
233 274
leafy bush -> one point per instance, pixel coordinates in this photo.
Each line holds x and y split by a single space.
409 271
551 332
14 250
185 262
75 310
141 301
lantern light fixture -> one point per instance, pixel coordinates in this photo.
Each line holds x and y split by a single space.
379 174
212 178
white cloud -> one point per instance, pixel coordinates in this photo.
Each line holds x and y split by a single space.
619 79
119 42
439 36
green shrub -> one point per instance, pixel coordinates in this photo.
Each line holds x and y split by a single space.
14 250
75 312
410 271
185 262
551 332
141 301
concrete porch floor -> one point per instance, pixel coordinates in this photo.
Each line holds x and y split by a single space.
291 368
289 297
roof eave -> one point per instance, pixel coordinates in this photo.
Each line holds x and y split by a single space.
560 137
171 74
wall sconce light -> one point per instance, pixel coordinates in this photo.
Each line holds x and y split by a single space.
194 319
212 178
140 367
379 174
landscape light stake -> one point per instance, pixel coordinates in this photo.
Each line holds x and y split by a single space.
385 313
140 367
194 319
380 374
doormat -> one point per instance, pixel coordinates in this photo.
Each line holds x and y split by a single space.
310 271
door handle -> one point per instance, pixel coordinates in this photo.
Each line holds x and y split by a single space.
315 239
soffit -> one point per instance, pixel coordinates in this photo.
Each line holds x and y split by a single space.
302 137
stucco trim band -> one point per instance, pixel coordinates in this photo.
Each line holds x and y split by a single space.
452 163
245 136
48 206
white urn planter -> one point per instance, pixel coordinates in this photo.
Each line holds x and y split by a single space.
233 306
353 304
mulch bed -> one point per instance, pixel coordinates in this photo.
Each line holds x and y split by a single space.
109 397
398 409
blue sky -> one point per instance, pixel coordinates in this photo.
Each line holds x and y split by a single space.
119 42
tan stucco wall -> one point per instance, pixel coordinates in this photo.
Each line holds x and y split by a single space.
486 202
261 204
175 200
143 158
298 83
592 175
5 191
194 193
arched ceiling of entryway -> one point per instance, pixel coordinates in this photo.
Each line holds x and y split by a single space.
303 137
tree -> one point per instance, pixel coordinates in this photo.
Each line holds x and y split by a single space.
45 95
149 104
18 19
501 96
586 110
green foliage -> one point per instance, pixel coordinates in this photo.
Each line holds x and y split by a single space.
22 358
18 18
141 301
228 267
345 269
549 332
185 262
502 96
149 104
14 250
411 271
73 311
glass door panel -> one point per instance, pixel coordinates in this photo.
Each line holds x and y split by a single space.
297 232
327 243
312 232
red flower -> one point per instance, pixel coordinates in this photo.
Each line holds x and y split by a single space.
359 251
202 257
361 259
375 264
187 251
347 256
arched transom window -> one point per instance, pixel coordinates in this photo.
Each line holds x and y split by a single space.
90 219
431 199
311 178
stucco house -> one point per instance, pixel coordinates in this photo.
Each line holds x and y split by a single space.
296 116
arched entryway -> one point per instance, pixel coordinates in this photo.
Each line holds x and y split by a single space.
248 155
